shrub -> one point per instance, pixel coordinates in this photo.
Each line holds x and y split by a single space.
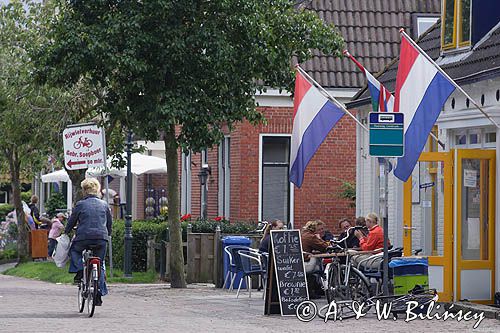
9 252
4 210
141 231
55 202
26 196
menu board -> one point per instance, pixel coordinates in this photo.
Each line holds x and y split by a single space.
289 268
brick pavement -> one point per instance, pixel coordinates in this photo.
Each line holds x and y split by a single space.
34 306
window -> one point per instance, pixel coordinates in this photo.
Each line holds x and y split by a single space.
224 177
204 189
457 23
424 23
275 199
186 184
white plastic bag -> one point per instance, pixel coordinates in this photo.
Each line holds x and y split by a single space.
62 250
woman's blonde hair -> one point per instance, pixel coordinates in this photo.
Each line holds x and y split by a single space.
313 225
91 186
373 217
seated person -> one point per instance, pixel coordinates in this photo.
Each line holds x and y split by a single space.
312 242
375 238
360 222
352 241
266 239
311 237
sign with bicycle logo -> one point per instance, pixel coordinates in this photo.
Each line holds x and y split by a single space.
83 146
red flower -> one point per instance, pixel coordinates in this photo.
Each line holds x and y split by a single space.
185 217
219 218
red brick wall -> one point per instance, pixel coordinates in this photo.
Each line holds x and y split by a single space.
334 162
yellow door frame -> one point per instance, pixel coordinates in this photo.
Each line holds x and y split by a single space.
489 155
446 260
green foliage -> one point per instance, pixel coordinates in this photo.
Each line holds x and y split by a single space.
147 54
9 252
141 231
348 191
4 210
12 232
158 230
26 196
48 271
56 201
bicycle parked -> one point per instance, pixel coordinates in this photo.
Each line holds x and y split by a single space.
343 281
393 304
88 287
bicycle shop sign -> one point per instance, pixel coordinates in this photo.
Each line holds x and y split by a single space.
83 146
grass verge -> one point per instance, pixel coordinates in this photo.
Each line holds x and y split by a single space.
49 272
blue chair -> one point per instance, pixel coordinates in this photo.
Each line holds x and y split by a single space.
251 263
233 269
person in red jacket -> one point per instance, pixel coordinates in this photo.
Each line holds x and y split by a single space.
375 238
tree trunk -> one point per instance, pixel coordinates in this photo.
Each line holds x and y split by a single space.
177 277
76 176
23 228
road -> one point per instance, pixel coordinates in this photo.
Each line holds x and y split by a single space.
35 306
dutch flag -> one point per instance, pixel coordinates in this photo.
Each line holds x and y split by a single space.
421 91
314 116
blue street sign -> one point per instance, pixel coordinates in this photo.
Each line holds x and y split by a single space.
386 134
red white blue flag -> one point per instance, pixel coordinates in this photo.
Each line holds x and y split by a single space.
421 91
314 115
382 99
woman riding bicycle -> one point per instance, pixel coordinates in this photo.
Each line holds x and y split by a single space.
94 226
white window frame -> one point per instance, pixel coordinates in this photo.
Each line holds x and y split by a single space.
291 203
186 183
224 197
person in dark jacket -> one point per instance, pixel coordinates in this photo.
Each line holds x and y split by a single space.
266 239
351 241
35 212
93 219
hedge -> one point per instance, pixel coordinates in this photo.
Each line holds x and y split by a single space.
158 229
4 210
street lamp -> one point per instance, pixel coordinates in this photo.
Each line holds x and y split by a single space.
203 176
127 262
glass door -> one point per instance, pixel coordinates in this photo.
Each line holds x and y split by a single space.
475 225
428 216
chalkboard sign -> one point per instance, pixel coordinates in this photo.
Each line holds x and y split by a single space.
289 267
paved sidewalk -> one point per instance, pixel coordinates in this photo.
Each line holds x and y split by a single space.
34 306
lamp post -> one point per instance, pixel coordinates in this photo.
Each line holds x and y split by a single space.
203 176
127 262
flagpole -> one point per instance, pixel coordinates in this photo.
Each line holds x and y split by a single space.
403 33
330 97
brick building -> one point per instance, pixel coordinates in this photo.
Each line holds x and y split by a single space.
249 170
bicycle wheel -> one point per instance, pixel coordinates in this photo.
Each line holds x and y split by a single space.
420 302
334 288
358 285
92 296
81 298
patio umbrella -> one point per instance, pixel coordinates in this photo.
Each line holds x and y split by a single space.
140 164
56 176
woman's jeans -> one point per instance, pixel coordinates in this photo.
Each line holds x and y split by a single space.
76 263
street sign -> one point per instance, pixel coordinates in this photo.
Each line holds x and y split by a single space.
83 146
386 134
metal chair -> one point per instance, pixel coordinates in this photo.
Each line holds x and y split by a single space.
234 269
251 263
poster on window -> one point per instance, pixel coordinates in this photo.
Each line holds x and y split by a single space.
473 233
470 178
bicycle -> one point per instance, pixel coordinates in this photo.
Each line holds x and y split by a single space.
88 287
343 280
87 143
384 305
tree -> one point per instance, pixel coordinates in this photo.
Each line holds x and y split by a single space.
182 70
32 115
